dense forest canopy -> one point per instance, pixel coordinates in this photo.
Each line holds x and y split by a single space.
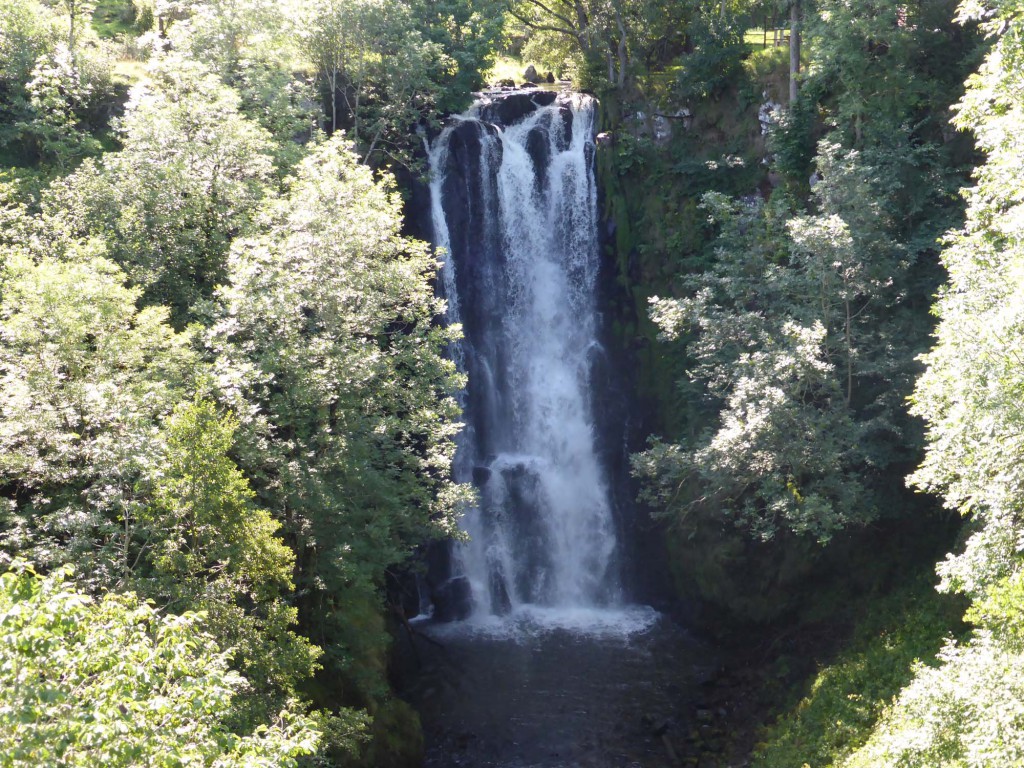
227 417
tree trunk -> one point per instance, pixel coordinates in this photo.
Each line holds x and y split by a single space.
622 53
794 49
849 356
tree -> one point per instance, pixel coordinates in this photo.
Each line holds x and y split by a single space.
112 682
794 48
381 74
55 81
783 452
329 353
57 96
188 180
25 36
597 28
468 32
85 379
966 711
801 339
79 14
875 55
203 546
252 46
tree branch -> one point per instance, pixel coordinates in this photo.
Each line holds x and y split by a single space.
544 27
564 19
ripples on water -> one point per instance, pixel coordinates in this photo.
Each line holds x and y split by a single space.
546 688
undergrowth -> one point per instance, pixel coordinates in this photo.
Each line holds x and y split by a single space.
847 696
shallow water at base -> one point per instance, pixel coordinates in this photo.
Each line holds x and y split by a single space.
533 694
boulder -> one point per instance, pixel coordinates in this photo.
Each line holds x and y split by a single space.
550 77
531 75
661 129
539 150
565 139
481 475
508 82
507 109
501 604
453 600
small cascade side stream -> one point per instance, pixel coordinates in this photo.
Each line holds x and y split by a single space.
538 658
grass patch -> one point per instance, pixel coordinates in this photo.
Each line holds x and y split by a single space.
758 38
113 18
846 698
129 72
508 68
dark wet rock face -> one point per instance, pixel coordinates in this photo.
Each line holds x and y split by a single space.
513 107
453 600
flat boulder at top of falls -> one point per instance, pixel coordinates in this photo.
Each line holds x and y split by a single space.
510 108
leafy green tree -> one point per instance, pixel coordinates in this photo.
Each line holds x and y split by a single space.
188 180
597 28
85 379
966 712
619 44
57 95
110 681
252 46
969 392
26 34
783 453
56 83
210 549
468 31
381 74
716 52
329 353
799 333
871 53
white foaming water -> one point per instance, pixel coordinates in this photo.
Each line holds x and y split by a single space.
542 542
531 621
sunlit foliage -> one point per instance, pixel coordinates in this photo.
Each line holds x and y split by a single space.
111 681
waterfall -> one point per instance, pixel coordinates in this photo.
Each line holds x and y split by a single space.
514 206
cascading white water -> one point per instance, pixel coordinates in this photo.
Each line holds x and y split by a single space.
515 210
